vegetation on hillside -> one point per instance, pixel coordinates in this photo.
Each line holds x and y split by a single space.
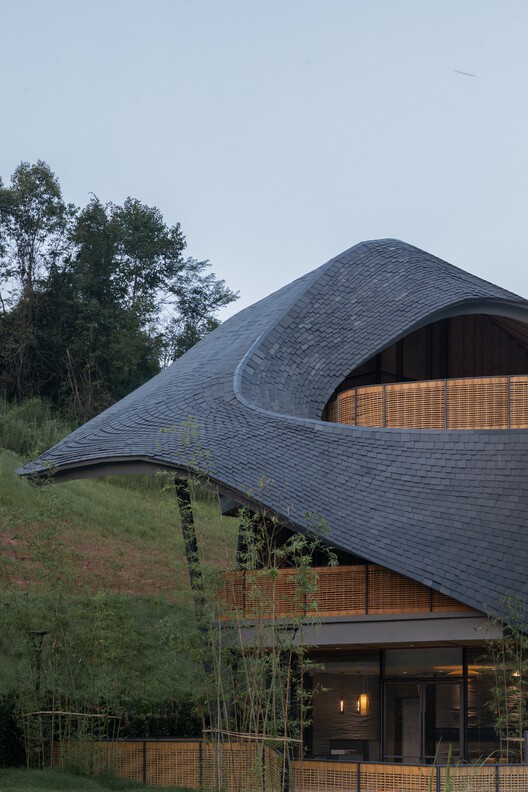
93 301
96 623
96 568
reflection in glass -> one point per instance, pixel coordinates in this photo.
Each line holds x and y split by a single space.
423 721
343 732
437 662
402 708
482 740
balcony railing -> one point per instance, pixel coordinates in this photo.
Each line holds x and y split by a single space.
327 591
470 403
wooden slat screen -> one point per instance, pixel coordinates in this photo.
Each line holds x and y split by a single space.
265 593
232 593
346 407
321 776
334 776
467 403
519 402
331 414
389 592
396 778
512 778
441 602
253 767
122 759
369 406
158 762
418 407
477 403
173 764
340 591
328 591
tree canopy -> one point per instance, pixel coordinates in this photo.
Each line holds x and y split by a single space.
94 300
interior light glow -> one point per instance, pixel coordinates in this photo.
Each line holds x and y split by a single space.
363 704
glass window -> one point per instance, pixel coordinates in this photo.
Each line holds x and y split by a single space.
346 709
482 740
438 662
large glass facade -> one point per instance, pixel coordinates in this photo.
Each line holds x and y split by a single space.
429 662
423 721
481 737
346 709
404 705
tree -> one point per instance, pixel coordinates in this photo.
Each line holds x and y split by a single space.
95 300
197 298
508 657
34 224
138 300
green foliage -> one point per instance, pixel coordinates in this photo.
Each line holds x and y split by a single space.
93 301
509 658
30 427
104 652
259 662
33 227
56 781
454 777
11 738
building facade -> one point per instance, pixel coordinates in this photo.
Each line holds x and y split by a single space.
386 392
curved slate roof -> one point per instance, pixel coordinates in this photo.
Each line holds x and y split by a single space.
446 508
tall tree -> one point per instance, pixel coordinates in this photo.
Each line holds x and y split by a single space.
95 300
34 224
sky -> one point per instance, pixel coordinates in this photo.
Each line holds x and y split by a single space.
282 132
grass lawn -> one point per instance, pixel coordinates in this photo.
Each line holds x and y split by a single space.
54 781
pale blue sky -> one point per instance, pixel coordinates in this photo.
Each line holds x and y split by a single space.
281 132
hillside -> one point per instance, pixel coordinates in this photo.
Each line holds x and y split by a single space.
118 534
99 566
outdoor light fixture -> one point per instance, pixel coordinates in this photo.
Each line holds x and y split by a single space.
341 699
363 704
363 700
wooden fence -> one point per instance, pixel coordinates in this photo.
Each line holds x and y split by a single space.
327 591
193 764
469 403
322 776
250 767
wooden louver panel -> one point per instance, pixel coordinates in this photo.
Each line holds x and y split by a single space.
339 590
477 403
467 403
390 592
519 402
326 591
369 406
346 407
416 406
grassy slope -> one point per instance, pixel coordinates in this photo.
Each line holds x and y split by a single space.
112 534
119 535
